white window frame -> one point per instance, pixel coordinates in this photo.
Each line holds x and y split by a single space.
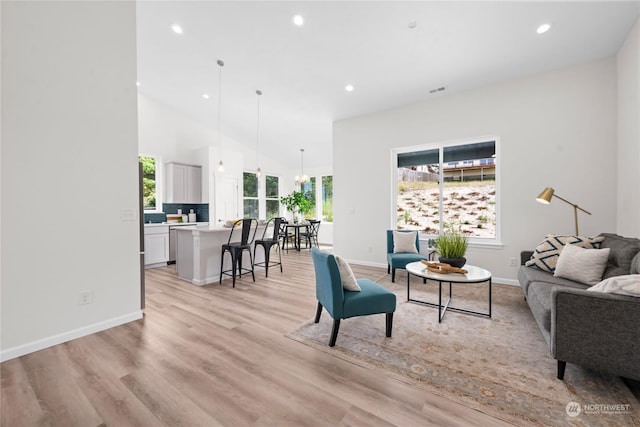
265 198
258 188
159 183
473 241
319 198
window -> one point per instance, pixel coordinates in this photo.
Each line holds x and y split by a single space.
250 194
327 198
149 182
272 198
448 186
309 190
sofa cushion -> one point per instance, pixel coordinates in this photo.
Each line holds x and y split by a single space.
527 275
635 264
623 251
539 300
547 252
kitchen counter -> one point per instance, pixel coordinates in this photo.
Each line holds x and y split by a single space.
182 224
199 249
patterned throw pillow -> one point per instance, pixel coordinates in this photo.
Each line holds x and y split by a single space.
545 257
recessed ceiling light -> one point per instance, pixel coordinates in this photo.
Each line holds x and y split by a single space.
349 88
412 24
176 28
298 20
205 96
137 83
543 28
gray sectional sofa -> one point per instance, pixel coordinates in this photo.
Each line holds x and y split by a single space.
600 331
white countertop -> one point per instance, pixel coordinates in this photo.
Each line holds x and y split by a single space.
211 228
171 224
205 228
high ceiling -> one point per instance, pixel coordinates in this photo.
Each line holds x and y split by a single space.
302 71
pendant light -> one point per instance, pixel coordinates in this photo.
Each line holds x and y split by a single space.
220 164
302 178
258 171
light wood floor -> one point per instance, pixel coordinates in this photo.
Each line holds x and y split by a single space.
213 355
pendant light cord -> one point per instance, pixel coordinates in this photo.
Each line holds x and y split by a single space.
259 93
221 64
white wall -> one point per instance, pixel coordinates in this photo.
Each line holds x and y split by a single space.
556 129
69 166
165 132
629 134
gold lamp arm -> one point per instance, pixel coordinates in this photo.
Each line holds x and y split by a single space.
546 196
572 204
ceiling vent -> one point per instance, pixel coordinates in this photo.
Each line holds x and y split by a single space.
439 89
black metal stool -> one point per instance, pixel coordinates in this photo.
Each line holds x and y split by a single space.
235 249
267 244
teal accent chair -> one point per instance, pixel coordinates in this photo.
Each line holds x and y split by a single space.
342 304
400 260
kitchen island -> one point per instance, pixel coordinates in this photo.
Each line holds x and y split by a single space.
199 249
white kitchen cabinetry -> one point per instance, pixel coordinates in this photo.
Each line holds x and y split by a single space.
184 183
156 245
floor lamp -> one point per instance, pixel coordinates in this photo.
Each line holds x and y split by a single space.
548 193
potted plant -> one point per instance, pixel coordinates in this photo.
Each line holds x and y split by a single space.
297 203
452 246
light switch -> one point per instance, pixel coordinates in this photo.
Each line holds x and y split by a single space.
127 214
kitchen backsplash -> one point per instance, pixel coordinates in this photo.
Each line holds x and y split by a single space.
155 218
201 210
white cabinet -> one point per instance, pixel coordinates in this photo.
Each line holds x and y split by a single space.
184 183
156 245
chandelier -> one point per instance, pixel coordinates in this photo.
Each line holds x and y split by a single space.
302 178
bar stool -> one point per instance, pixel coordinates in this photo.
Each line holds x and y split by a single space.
235 249
268 243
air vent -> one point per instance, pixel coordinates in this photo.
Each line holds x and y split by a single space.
438 90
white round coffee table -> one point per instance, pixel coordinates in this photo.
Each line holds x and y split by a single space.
474 275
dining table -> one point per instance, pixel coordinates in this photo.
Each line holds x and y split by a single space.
296 232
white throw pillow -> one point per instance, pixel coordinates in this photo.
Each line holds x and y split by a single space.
624 285
582 265
404 242
349 281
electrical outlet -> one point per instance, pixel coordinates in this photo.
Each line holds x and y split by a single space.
85 297
513 262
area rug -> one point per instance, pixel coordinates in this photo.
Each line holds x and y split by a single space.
499 366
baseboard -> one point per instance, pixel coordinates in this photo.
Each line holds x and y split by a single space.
367 263
501 281
41 344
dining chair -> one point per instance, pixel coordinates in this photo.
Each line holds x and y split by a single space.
398 258
248 227
311 234
270 238
284 234
343 304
